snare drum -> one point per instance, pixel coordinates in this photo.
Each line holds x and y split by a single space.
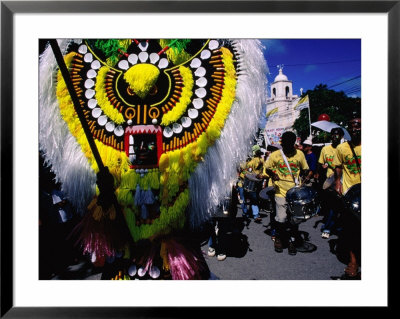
352 200
303 202
251 183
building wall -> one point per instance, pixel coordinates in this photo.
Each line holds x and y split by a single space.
284 101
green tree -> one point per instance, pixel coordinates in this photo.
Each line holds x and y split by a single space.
337 105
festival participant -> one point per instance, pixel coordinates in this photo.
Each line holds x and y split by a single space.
141 134
217 241
269 183
310 158
325 166
285 179
347 174
298 146
254 166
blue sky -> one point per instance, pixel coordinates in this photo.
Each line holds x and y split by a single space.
309 62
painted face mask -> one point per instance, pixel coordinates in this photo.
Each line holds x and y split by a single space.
156 110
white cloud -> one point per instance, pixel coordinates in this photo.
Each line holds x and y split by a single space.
273 46
310 67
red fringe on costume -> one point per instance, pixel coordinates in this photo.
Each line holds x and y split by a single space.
185 263
102 238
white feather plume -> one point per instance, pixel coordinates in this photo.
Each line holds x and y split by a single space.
213 178
60 149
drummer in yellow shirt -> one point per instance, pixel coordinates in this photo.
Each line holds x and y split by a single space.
329 155
276 168
346 165
254 166
348 174
326 161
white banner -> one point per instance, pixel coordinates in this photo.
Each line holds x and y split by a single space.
273 135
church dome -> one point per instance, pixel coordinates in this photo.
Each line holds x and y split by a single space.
281 77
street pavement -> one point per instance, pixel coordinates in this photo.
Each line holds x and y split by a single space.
251 254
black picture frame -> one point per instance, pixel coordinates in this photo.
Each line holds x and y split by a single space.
9 8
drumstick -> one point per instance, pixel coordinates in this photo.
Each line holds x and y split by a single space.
303 182
284 180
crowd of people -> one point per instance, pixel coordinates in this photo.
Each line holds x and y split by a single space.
326 175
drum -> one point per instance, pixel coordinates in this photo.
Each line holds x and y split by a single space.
352 200
251 183
267 197
303 202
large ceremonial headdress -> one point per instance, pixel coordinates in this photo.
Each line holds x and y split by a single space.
170 118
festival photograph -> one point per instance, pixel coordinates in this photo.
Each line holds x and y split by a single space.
199 159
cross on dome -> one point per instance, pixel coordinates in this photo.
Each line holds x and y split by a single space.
280 76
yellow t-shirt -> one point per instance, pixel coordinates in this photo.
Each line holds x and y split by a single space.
345 158
277 164
328 153
255 165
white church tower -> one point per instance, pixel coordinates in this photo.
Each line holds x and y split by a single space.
280 107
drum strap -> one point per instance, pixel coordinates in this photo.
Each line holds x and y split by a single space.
355 157
296 182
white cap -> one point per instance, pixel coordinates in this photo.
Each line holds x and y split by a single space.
307 142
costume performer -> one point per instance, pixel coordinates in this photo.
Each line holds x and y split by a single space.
145 137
